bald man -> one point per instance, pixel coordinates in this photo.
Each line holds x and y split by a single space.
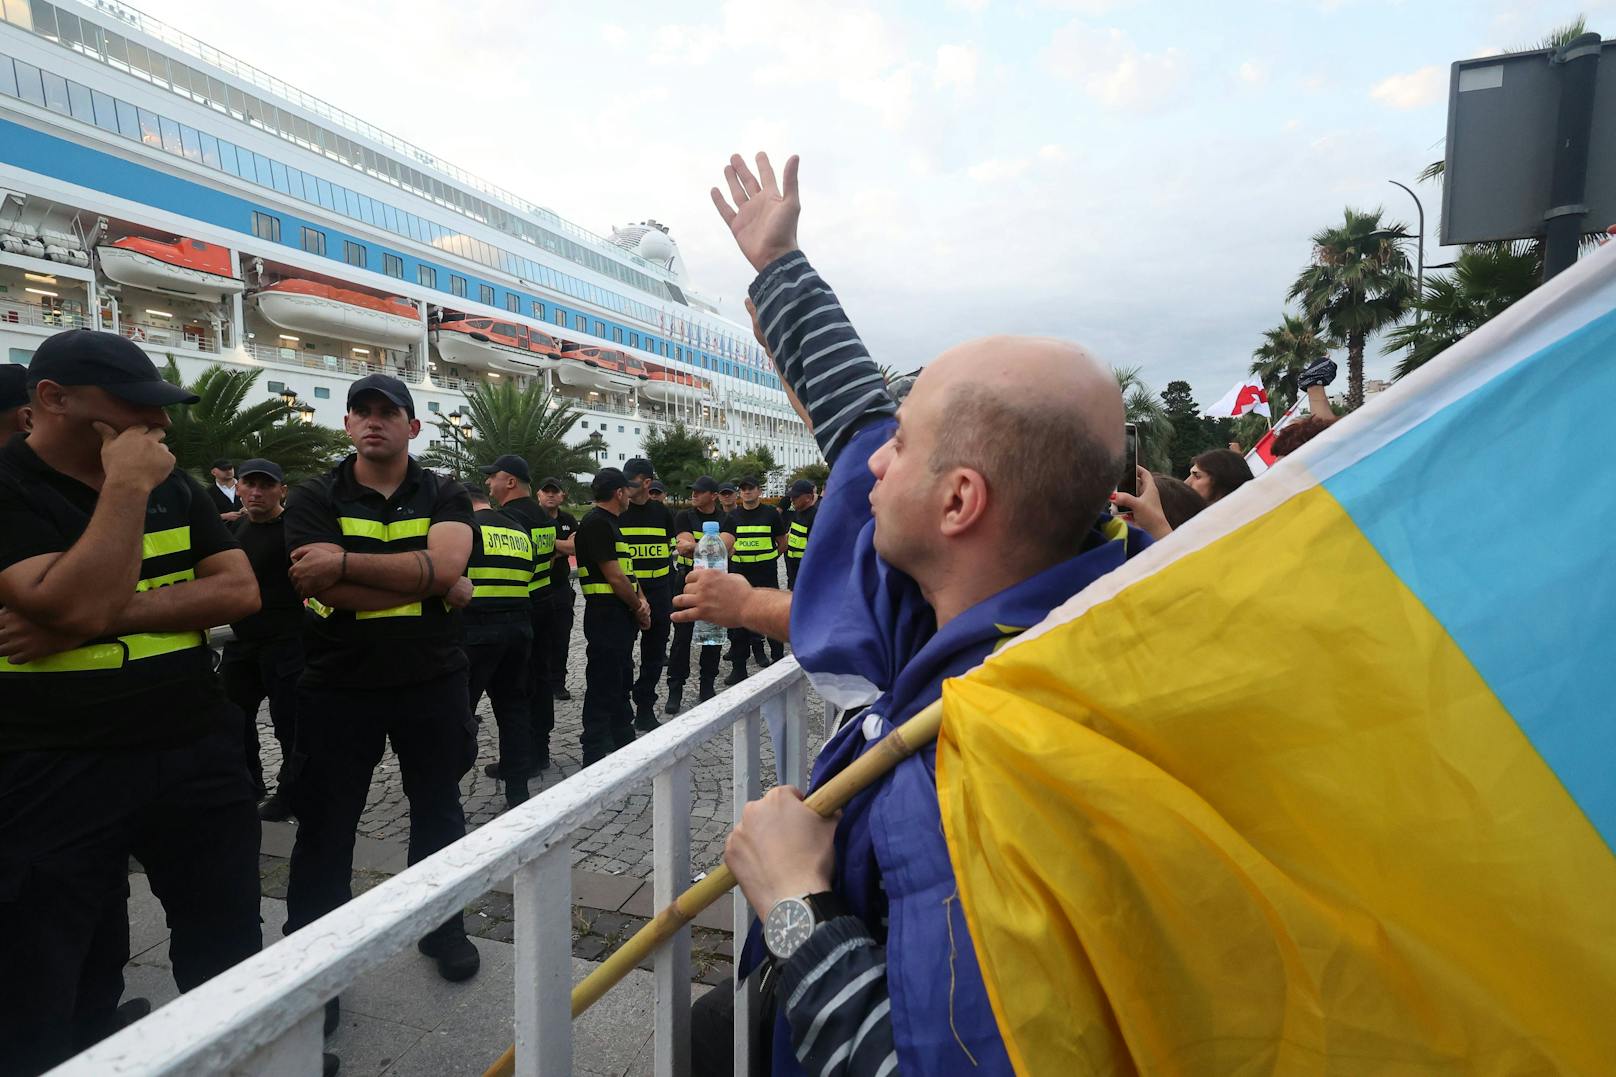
948 525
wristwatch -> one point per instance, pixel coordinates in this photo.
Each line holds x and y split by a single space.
793 919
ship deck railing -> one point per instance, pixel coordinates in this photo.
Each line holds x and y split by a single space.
39 316
160 335
264 1016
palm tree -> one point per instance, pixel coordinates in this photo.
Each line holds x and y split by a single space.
1287 349
218 426
1147 412
1358 283
506 419
1485 280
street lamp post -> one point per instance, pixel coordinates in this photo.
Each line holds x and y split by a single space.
459 425
1419 272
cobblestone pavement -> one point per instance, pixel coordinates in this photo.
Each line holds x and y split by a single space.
618 840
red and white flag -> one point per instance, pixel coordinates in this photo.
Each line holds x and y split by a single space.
1246 397
1261 457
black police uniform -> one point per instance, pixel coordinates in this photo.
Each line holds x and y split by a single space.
265 659
541 531
221 502
394 675
563 603
497 636
799 525
609 631
690 520
649 531
757 557
123 745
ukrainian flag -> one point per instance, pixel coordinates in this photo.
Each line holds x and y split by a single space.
1327 782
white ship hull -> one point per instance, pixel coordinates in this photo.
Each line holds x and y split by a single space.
461 349
143 271
327 317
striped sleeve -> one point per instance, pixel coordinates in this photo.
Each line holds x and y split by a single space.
836 1003
818 352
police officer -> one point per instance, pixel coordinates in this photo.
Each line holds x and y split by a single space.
688 526
552 495
509 482
727 496
379 548
614 610
659 492
498 633
756 535
264 659
223 493
647 527
115 738
799 520
15 414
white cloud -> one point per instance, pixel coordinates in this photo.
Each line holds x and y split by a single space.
968 5
997 170
1253 74
1090 8
1052 152
613 34
956 68
1416 89
1112 70
684 45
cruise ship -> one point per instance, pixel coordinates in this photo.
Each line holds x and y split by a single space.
153 186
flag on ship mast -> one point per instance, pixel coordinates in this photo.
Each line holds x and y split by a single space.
1322 782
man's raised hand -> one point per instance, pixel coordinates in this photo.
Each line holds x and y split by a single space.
764 217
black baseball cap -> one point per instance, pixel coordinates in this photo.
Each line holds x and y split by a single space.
800 487
13 386
511 464
224 463
639 467
257 466
545 484
747 480
727 486
706 484
107 361
607 481
389 387
657 487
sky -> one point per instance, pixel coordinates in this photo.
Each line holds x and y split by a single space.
1141 177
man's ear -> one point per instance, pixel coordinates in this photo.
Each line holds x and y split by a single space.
967 501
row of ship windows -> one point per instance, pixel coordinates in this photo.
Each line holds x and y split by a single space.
267 226
88 39
47 90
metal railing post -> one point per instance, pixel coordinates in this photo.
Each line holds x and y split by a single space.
544 964
787 717
670 829
746 785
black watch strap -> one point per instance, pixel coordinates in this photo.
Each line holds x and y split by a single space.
826 906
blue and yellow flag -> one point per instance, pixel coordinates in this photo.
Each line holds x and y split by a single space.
1326 783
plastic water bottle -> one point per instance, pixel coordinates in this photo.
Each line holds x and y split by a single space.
711 553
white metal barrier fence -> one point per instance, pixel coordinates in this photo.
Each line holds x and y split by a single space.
263 1017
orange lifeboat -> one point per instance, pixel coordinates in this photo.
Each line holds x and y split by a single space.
491 343
325 310
673 386
585 366
181 266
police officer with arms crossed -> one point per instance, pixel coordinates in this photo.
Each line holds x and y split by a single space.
265 657
687 527
552 494
614 610
509 483
498 632
755 535
799 520
115 738
648 528
379 548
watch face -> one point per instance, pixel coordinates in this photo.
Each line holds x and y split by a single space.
787 927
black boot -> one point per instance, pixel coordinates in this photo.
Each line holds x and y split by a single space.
737 674
515 791
676 694
708 689
276 808
457 958
646 720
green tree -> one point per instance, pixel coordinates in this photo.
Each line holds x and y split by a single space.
756 460
1358 283
217 425
1149 415
1193 433
1485 280
505 419
679 455
817 473
1287 349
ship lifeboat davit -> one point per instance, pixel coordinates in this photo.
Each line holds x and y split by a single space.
323 310
673 387
183 266
595 368
489 344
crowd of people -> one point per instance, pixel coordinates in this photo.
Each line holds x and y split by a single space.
378 603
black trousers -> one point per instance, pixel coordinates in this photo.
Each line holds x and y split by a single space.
562 612
341 734
497 648
255 670
608 720
69 821
679 653
541 680
744 641
654 644
793 566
